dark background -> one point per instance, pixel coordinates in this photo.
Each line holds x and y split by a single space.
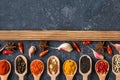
59 15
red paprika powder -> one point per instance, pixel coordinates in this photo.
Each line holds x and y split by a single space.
36 67
4 67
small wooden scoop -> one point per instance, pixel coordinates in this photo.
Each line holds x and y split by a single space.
85 75
37 77
4 77
70 77
53 77
117 74
21 76
102 76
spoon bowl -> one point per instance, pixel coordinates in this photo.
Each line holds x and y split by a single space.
100 75
37 77
85 75
4 77
70 77
21 76
116 74
53 76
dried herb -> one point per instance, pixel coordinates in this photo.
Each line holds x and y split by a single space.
100 46
53 66
20 65
85 64
10 46
43 45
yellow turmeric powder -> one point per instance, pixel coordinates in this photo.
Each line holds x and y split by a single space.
69 67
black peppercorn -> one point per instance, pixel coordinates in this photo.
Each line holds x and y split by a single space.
20 65
85 64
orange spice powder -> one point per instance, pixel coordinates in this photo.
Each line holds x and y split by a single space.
36 67
4 67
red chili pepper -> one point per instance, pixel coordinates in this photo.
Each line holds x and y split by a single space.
87 42
75 45
43 53
21 47
6 52
109 49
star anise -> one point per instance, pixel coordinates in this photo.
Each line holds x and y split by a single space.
10 46
100 46
43 45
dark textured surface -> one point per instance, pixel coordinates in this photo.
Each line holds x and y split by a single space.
61 15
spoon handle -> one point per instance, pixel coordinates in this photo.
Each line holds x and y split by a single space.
85 77
69 78
53 78
102 78
36 78
4 78
117 77
21 77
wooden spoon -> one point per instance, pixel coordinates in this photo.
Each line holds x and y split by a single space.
116 74
70 77
53 76
85 75
37 77
102 76
4 77
21 76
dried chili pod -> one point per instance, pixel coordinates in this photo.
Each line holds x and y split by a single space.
86 42
75 45
109 49
6 52
43 53
21 47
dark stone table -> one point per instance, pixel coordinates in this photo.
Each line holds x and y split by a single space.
59 15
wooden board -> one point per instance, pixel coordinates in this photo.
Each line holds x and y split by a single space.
61 35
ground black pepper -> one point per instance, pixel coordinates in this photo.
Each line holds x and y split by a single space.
85 64
20 65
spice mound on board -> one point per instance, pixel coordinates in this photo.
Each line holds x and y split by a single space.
69 67
102 67
116 64
20 65
85 64
53 65
36 67
4 67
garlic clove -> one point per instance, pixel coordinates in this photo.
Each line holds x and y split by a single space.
32 50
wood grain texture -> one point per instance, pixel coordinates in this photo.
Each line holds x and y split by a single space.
61 35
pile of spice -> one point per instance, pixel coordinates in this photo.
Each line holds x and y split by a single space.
36 67
102 67
84 64
4 67
20 65
53 65
69 67
116 64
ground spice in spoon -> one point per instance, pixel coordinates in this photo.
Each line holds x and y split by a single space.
85 64
20 65
4 67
